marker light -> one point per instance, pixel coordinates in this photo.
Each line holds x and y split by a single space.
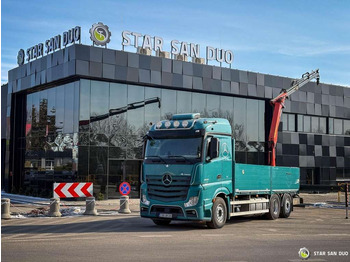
159 125
144 200
176 124
185 123
167 124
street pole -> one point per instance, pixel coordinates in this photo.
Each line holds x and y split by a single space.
347 200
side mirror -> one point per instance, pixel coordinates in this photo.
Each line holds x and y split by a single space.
213 151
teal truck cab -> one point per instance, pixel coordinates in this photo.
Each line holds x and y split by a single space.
189 173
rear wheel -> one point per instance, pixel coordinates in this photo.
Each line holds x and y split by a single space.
275 207
287 205
161 222
219 214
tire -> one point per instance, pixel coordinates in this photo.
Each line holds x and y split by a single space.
219 214
275 207
161 222
287 206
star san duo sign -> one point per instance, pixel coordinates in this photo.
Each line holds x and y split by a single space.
100 35
56 42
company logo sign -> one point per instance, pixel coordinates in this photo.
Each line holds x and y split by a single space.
304 253
167 179
100 34
20 57
51 45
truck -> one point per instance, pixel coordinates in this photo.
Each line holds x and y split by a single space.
189 172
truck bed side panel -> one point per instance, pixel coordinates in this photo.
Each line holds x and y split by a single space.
251 179
285 179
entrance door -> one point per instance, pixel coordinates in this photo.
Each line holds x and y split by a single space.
123 171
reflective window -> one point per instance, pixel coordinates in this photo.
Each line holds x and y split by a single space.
199 104
168 101
84 106
314 124
252 120
307 124
226 108
183 102
136 110
118 101
153 104
213 105
240 125
347 127
338 126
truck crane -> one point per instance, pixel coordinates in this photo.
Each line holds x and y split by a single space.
278 104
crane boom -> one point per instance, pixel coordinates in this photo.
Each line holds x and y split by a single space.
278 104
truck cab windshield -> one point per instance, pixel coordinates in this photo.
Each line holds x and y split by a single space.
174 149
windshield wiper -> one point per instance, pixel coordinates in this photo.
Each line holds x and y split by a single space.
185 158
159 158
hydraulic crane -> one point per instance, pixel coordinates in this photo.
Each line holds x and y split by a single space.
278 104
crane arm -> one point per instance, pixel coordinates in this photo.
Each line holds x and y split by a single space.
278 104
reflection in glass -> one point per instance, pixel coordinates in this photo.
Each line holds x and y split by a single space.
213 105
199 104
84 106
239 129
152 111
99 106
168 103
252 120
183 102
338 126
136 117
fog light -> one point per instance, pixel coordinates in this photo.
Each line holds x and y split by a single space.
192 202
159 125
144 200
167 124
185 123
176 124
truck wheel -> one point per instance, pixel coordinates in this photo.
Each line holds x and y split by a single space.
275 207
219 214
161 222
287 204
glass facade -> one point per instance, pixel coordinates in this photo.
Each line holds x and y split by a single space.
102 124
51 133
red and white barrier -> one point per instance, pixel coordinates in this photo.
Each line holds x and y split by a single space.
67 190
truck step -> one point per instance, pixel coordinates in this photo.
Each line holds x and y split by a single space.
252 201
249 213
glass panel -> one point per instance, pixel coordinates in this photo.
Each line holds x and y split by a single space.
199 104
83 166
213 105
307 124
118 101
183 102
291 122
98 169
136 110
314 124
331 125
252 120
42 114
68 108
262 121
284 122
152 108
35 114
115 177
59 108
300 123
338 126
168 107
76 108
347 127
99 122
240 113
226 109
132 176
323 126
29 115
84 106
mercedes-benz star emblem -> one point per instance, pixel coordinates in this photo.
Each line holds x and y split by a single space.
167 179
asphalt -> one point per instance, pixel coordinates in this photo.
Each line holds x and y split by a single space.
121 237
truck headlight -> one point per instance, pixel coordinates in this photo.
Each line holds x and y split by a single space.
144 200
192 201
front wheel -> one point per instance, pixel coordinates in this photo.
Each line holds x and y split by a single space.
219 214
161 222
275 207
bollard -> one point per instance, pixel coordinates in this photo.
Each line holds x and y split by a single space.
90 207
5 208
55 207
124 205
338 199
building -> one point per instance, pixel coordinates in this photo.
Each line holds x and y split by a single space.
79 114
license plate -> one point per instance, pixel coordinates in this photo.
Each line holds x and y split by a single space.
165 215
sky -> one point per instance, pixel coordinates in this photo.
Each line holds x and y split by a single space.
285 38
